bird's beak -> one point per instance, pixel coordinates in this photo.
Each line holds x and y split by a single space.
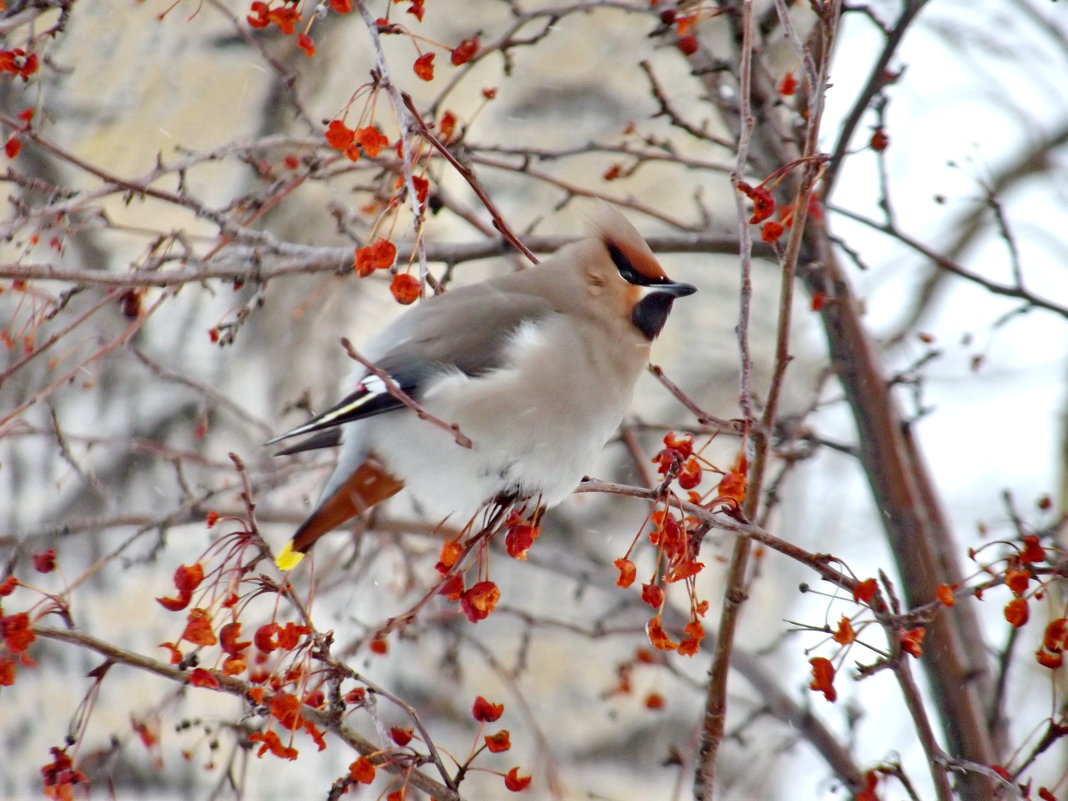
676 288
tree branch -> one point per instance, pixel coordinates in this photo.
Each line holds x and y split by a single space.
230 685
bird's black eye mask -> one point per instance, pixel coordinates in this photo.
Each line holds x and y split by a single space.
626 269
629 272
651 312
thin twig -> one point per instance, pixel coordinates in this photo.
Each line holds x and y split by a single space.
64 449
212 395
936 757
876 81
638 456
737 578
703 418
55 337
823 564
714 720
753 667
119 341
950 266
406 124
393 389
408 709
269 260
285 79
469 176
673 116
231 685
577 189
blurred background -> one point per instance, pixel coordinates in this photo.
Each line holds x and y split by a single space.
176 275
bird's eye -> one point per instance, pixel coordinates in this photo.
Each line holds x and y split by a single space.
623 264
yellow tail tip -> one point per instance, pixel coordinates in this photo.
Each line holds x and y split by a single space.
288 558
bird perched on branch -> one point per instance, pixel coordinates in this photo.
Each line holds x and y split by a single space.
534 371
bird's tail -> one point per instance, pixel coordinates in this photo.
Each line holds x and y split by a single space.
369 484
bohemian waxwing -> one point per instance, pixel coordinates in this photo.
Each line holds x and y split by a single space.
537 368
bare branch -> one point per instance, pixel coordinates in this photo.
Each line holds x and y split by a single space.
241 689
405 398
469 176
950 266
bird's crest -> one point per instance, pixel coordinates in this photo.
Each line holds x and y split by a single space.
629 251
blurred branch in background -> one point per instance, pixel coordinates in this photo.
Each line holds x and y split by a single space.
841 454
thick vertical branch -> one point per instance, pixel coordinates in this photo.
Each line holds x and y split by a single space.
917 531
902 488
738 569
715 716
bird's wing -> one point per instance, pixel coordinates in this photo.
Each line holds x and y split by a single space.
327 438
371 396
465 330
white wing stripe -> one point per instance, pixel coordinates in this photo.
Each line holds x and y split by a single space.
372 386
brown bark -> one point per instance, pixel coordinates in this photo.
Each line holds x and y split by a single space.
916 529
